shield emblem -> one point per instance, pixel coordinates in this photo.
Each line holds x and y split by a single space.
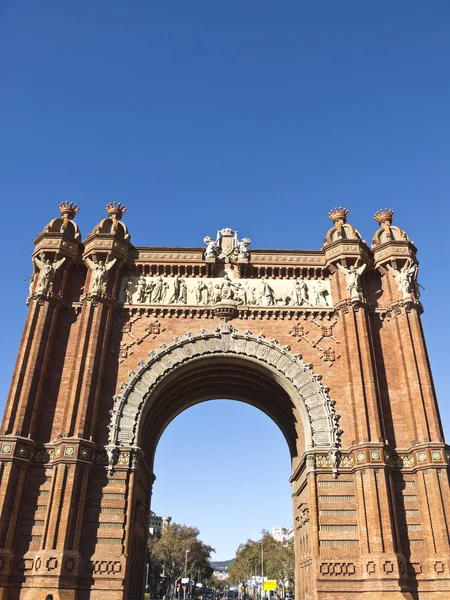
228 242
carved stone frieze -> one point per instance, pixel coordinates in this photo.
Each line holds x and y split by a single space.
323 420
189 291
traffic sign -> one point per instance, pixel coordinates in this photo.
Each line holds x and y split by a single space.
270 584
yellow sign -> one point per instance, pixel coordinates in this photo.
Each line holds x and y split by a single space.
270 584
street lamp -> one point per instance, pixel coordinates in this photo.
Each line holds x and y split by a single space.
185 574
262 567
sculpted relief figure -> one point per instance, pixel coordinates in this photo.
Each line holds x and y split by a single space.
253 301
201 292
99 274
159 290
149 287
141 286
300 293
321 294
183 292
179 294
209 292
47 270
267 296
227 289
241 294
217 294
353 279
406 279
129 291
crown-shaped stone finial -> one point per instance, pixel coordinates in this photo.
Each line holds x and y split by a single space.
384 216
338 214
68 210
116 210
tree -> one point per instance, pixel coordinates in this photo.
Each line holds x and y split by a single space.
180 553
275 559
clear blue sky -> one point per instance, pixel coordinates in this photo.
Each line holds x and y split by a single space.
197 115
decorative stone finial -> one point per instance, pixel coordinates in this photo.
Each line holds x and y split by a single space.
338 215
68 210
387 231
384 216
116 210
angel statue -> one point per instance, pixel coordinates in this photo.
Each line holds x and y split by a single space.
353 279
406 278
99 274
47 270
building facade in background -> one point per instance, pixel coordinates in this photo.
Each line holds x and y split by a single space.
157 524
283 534
120 339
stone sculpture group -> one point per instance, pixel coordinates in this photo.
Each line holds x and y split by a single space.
210 291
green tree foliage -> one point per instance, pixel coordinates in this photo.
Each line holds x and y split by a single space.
277 558
179 552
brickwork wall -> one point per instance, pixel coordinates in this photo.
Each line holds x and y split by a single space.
374 522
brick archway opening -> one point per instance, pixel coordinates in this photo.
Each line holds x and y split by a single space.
225 363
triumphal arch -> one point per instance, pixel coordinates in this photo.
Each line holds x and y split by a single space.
120 339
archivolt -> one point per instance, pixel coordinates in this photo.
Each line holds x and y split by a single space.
322 422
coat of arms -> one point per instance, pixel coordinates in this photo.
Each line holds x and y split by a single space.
226 246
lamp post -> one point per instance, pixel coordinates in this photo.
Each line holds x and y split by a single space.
262 567
185 573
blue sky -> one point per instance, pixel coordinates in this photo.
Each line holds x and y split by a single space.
197 115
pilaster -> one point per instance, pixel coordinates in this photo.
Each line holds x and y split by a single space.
106 250
56 249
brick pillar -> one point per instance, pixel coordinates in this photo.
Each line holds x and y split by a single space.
368 424
56 250
422 397
106 249
45 300
377 524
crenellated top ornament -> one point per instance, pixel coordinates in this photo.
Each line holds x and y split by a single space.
341 230
384 216
113 223
387 231
68 210
65 223
116 210
338 215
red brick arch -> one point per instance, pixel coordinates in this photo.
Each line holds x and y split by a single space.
284 376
